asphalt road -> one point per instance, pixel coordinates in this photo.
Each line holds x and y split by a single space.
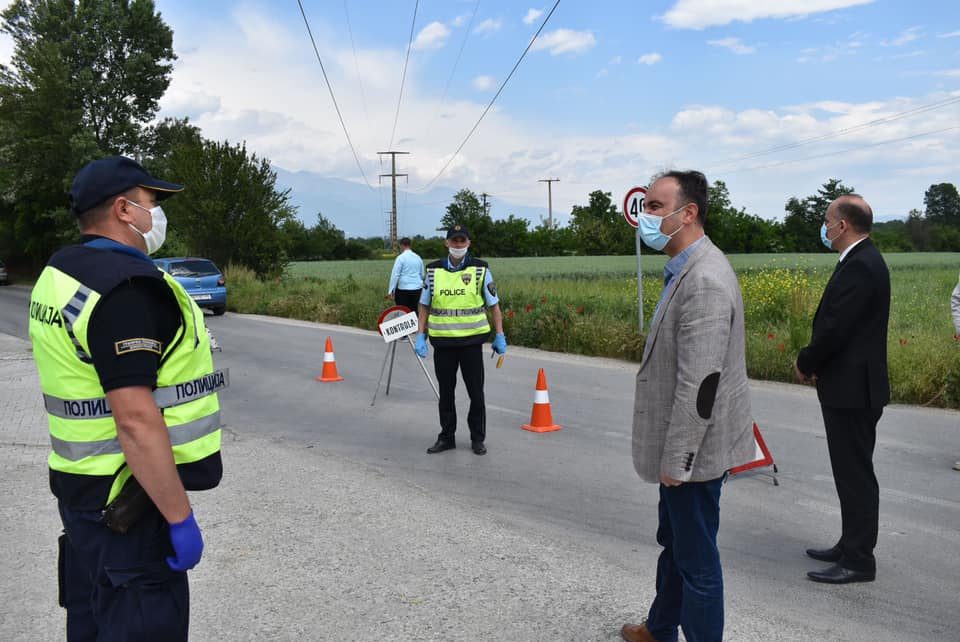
578 484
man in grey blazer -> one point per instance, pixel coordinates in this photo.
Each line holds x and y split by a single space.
692 418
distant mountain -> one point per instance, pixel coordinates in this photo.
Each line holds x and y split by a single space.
359 211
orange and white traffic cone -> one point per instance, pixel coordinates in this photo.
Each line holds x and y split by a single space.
329 372
541 419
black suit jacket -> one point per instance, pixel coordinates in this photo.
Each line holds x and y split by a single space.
848 348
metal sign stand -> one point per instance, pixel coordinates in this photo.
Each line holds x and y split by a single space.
391 354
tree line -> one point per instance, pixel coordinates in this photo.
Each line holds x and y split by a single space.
85 80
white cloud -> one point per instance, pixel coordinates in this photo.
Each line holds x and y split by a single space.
699 14
532 14
603 73
829 53
459 21
616 60
649 59
280 106
433 36
950 73
908 35
952 34
489 25
483 83
734 45
565 41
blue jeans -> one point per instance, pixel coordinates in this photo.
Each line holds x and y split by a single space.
119 587
689 577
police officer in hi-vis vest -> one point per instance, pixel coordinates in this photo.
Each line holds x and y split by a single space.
452 310
131 398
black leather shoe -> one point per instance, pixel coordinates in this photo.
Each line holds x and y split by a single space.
836 574
479 448
440 446
824 554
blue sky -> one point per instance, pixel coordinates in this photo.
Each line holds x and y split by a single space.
613 91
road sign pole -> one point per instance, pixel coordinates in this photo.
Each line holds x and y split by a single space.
639 279
633 212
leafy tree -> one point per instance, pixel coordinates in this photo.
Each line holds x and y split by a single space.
508 237
802 223
231 210
467 210
942 202
83 80
735 231
544 240
599 228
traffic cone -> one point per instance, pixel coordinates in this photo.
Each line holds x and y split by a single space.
541 419
329 372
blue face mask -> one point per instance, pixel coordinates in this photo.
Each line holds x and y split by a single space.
827 241
650 229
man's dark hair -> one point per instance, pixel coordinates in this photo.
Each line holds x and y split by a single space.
856 211
405 242
693 189
95 215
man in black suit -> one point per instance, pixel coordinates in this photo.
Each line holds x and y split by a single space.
847 356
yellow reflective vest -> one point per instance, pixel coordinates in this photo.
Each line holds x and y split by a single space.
458 314
83 433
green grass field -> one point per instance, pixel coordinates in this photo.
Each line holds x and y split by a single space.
572 266
588 305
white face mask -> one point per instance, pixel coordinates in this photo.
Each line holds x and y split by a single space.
457 253
158 230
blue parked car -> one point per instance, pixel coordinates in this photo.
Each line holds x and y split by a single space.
201 278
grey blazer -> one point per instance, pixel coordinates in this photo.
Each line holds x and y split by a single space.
692 418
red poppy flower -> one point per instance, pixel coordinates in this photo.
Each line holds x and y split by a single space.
509 314
781 347
580 310
528 307
771 336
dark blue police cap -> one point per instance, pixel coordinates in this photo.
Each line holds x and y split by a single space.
458 230
101 179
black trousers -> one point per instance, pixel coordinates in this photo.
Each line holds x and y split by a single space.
469 359
408 298
116 587
851 437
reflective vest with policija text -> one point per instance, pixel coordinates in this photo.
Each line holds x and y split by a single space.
458 315
86 454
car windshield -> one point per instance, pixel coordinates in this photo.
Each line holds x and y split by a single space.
197 267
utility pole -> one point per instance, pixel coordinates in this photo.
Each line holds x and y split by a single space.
486 211
549 182
393 180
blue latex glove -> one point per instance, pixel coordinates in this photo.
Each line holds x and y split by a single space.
187 544
421 348
500 344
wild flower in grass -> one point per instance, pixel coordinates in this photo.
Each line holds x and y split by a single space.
543 300
771 336
903 342
580 309
510 314
528 307
781 347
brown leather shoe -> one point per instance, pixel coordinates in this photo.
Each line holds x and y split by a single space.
636 633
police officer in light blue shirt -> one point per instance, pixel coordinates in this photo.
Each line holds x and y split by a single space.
406 279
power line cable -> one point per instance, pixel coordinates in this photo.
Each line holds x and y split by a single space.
403 78
836 153
356 157
844 131
456 62
492 100
356 63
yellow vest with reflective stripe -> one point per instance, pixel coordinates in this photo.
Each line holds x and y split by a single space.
83 433
457 306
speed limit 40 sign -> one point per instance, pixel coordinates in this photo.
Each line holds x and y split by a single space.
633 205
